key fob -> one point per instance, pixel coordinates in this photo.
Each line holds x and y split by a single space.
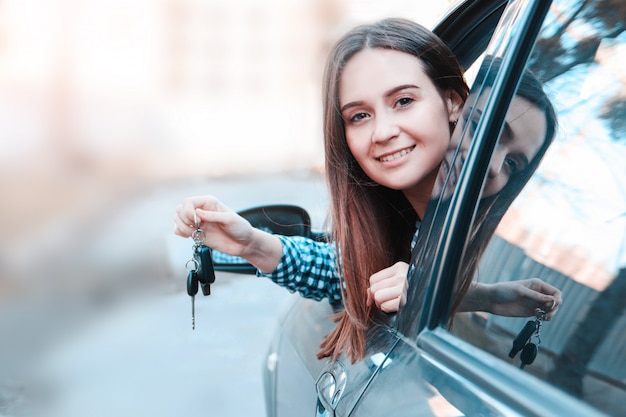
529 353
206 273
522 337
192 283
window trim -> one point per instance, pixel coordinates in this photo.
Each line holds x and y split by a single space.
502 388
460 215
521 393
505 388
476 16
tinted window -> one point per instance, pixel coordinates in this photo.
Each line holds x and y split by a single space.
568 224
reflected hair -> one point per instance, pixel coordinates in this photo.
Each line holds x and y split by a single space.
492 209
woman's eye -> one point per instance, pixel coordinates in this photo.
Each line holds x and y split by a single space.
404 101
514 166
472 125
355 118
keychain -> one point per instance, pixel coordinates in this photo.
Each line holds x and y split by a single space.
200 272
524 340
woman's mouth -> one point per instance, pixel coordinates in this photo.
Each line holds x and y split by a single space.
396 155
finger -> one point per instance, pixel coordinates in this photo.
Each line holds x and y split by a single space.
544 288
388 278
381 276
185 213
181 228
187 209
552 308
552 296
380 285
214 216
537 292
391 306
399 269
387 294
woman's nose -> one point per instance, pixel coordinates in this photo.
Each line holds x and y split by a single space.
497 160
385 128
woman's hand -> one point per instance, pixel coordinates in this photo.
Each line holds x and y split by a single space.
226 231
521 298
388 288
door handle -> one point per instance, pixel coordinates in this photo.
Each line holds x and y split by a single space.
330 386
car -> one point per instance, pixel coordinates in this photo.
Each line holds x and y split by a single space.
567 227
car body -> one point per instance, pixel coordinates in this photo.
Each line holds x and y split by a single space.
567 227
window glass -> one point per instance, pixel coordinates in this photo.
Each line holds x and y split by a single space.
567 226
411 319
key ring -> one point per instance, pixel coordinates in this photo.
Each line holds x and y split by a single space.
540 315
195 264
198 235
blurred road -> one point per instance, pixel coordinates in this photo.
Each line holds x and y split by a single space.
127 347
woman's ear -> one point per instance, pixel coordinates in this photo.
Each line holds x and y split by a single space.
455 105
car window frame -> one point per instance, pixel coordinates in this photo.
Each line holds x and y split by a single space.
522 393
438 253
477 16
464 201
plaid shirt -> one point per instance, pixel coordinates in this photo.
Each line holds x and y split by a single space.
310 268
307 267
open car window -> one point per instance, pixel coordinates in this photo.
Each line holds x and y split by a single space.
568 225
457 192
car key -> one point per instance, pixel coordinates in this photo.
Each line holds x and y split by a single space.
192 290
522 337
528 355
522 342
205 271
195 270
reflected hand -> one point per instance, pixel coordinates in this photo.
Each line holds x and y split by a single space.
388 288
523 298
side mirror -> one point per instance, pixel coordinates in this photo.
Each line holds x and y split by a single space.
287 220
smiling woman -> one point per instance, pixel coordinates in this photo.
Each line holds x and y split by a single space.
414 364
393 93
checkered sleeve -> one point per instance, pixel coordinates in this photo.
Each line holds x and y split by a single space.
224 258
307 267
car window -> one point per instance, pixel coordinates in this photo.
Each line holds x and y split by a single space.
485 109
567 226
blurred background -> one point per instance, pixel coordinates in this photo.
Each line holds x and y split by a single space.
101 98
112 111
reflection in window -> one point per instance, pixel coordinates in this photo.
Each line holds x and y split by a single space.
568 226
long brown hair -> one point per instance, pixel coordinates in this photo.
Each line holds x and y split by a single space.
372 224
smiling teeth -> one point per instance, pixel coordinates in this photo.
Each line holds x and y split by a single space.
395 155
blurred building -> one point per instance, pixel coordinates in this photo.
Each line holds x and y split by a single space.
171 87
97 95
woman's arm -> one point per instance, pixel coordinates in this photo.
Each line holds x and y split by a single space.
513 298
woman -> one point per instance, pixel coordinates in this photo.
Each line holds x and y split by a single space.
393 94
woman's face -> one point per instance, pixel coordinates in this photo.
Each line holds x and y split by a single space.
523 135
396 120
